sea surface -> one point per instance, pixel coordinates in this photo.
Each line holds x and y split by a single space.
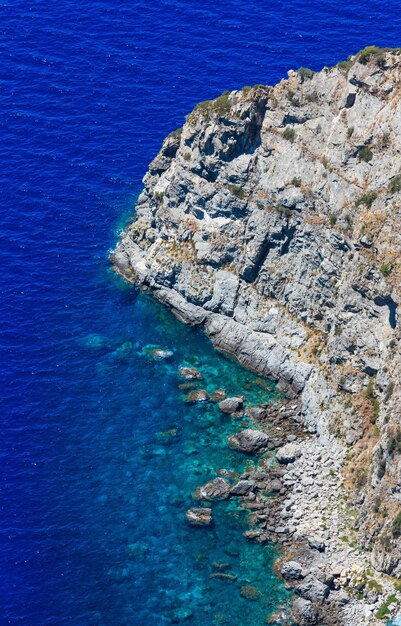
100 454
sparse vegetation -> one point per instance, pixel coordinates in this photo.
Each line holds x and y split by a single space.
366 54
383 610
220 105
175 134
385 269
394 442
350 132
332 219
237 191
365 154
395 184
312 97
289 134
367 199
384 141
296 182
305 72
293 99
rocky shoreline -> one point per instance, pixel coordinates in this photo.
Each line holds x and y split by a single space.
271 220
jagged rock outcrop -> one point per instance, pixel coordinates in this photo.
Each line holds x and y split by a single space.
272 220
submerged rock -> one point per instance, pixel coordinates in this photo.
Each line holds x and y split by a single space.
218 395
249 441
197 395
250 592
217 489
157 353
199 517
190 373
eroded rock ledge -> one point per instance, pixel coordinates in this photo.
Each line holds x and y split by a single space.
272 220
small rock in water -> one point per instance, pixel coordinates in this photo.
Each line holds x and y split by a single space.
157 353
217 489
250 592
190 373
230 405
199 517
197 395
218 395
249 440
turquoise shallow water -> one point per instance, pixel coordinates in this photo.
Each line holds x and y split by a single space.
181 446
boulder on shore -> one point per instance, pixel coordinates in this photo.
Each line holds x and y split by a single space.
291 570
304 613
289 453
249 441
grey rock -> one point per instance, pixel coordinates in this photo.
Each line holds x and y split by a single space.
217 489
230 405
312 589
249 441
289 453
305 614
317 543
199 517
291 570
242 488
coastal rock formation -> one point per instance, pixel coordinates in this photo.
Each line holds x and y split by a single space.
272 220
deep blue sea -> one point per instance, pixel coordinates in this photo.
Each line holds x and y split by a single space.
100 454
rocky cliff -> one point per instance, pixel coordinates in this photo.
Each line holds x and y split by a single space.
272 219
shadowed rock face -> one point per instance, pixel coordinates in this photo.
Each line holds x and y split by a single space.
272 219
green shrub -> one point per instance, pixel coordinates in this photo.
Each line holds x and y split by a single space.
296 182
365 154
367 199
385 269
289 134
383 610
332 219
384 141
312 97
350 132
187 156
291 97
395 184
237 191
305 72
366 54
396 526
394 442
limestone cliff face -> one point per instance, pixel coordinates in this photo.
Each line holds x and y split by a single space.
272 219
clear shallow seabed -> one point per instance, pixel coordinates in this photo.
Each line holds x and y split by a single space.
92 497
